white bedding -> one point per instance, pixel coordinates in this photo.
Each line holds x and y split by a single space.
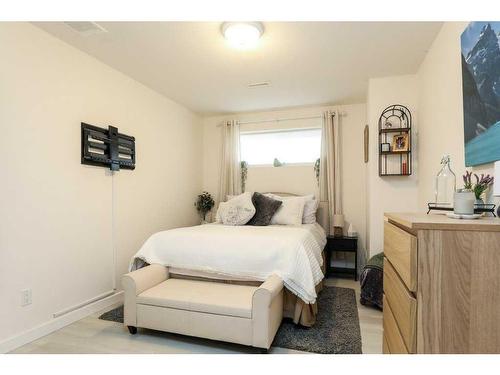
291 252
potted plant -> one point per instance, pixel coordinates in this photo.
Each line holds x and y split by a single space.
482 184
203 205
244 173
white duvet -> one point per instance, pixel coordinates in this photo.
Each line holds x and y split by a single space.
291 252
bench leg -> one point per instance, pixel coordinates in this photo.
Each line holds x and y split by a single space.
132 330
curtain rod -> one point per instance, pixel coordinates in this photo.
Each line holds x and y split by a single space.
286 119
279 119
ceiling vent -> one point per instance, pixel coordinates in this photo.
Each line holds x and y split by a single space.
259 84
86 28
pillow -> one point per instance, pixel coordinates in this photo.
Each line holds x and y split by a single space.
310 207
237 211
265 208
290 212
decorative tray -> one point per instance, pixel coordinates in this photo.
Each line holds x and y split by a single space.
478 208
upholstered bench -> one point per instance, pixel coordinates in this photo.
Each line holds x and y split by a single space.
247 315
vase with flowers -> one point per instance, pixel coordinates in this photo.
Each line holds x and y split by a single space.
203 205
479 187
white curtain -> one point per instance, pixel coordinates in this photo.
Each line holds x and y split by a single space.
230 175
329 176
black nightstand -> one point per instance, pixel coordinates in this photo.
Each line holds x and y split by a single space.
341 244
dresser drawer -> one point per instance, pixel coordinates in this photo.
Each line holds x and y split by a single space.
385 347
403 306
392 336
400 248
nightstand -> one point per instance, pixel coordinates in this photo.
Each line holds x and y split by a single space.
341 244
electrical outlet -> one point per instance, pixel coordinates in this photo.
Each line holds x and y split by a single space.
26 297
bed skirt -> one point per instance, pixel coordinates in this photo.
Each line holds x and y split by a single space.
300 312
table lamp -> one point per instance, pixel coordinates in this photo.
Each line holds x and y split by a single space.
338 225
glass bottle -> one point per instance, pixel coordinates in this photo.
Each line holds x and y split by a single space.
446 183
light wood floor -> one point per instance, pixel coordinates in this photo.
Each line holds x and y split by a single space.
91 335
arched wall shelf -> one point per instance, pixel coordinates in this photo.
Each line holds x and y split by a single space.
394 135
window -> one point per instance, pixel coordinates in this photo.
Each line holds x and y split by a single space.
288 146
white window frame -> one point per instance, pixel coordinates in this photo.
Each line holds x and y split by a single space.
288 130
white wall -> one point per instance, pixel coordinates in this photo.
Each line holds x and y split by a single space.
441 111
298 179
389 193
434 95
56 228
353 176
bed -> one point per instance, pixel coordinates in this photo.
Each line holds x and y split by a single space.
247 255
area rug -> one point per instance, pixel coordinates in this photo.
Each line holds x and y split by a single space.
336 330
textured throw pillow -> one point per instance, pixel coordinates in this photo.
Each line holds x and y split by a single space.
290 212
310 207
265 208
237 211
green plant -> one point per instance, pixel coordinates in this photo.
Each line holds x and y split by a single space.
481 185
204 204
244 172
316 169
467 180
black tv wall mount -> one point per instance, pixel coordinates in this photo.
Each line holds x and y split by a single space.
107 148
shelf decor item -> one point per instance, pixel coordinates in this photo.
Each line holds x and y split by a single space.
394 126
446 184
400 143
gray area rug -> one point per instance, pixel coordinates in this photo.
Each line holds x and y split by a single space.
336 330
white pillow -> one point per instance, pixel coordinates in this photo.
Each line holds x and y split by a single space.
237 211
310 207
290 211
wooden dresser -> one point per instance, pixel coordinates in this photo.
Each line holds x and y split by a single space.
441 284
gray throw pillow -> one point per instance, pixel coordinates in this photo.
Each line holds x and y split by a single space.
265 208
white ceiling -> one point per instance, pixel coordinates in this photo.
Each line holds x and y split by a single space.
306 62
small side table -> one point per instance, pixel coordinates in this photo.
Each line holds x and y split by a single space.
341 244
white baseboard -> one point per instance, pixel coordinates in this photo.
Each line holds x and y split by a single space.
53 325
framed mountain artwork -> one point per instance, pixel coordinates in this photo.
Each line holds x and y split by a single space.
481 92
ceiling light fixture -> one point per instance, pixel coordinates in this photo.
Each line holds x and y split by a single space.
242 35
